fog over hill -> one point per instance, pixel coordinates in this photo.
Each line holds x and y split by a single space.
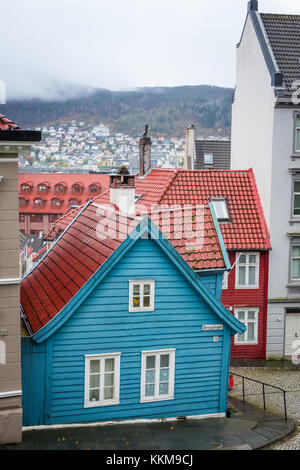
167 110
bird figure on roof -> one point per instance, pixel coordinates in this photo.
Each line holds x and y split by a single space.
146 130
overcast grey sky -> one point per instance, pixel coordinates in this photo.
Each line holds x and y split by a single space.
119 44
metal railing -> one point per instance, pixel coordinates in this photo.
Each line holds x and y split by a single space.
264 385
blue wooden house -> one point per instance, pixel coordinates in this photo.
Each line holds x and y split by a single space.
125 330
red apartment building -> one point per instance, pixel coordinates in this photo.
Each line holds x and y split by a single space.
44 197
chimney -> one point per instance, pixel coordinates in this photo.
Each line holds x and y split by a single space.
145 155
122 190
253 5
189 155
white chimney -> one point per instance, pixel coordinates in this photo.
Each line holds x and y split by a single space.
122 191
189 155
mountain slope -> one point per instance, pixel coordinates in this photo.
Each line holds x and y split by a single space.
166 110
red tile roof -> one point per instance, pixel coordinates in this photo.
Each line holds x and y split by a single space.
79 252
7 124
33 180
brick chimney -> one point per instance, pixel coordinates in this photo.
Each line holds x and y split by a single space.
145 155
122 190
189 155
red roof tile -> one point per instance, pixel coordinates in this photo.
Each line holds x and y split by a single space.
77 255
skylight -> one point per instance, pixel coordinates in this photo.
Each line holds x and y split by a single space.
221 209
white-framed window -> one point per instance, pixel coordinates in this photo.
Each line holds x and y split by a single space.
102 380
141 295
157 376
297 134
221 209
295 262
208 159
225 280
249 317
296 198
247 271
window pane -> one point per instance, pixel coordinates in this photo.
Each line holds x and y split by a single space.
242 259
164 360
298 121
251 315
221 209
94 380
250 330
94 395
147 289
109 393
252 259
109 380
136 301
164 375
241 316
242 275
146 301
150 376
296 205
136 289
296 251
109 365
150 362
298 139
252 272
149 390
296 186
296 269
164 389
241 338
94 366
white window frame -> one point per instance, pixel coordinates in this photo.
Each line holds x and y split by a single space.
141 283
294 245
225 280
208 159
214 200
102 402
297 129
247 265
246 311
295 193
157 354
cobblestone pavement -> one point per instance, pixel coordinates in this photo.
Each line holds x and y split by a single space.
288 380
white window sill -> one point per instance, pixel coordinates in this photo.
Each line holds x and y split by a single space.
100 405
139 309
246 344
144 400
247 287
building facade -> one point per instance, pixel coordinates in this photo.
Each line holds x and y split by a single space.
266 137
11 141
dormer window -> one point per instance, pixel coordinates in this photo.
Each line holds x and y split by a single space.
74 202
56 202
77 188
94 188
221 209
26 188
38 202
60 188
43 188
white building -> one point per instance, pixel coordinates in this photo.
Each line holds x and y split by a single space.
266 137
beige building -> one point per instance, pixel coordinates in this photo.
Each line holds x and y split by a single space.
12 140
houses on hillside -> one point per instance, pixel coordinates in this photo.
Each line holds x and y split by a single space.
266 137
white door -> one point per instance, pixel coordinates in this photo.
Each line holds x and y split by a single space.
292 332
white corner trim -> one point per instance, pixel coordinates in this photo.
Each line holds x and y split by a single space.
15 393
13 280
9 160
129 421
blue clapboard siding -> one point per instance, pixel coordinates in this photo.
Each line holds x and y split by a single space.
33 382
102 324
